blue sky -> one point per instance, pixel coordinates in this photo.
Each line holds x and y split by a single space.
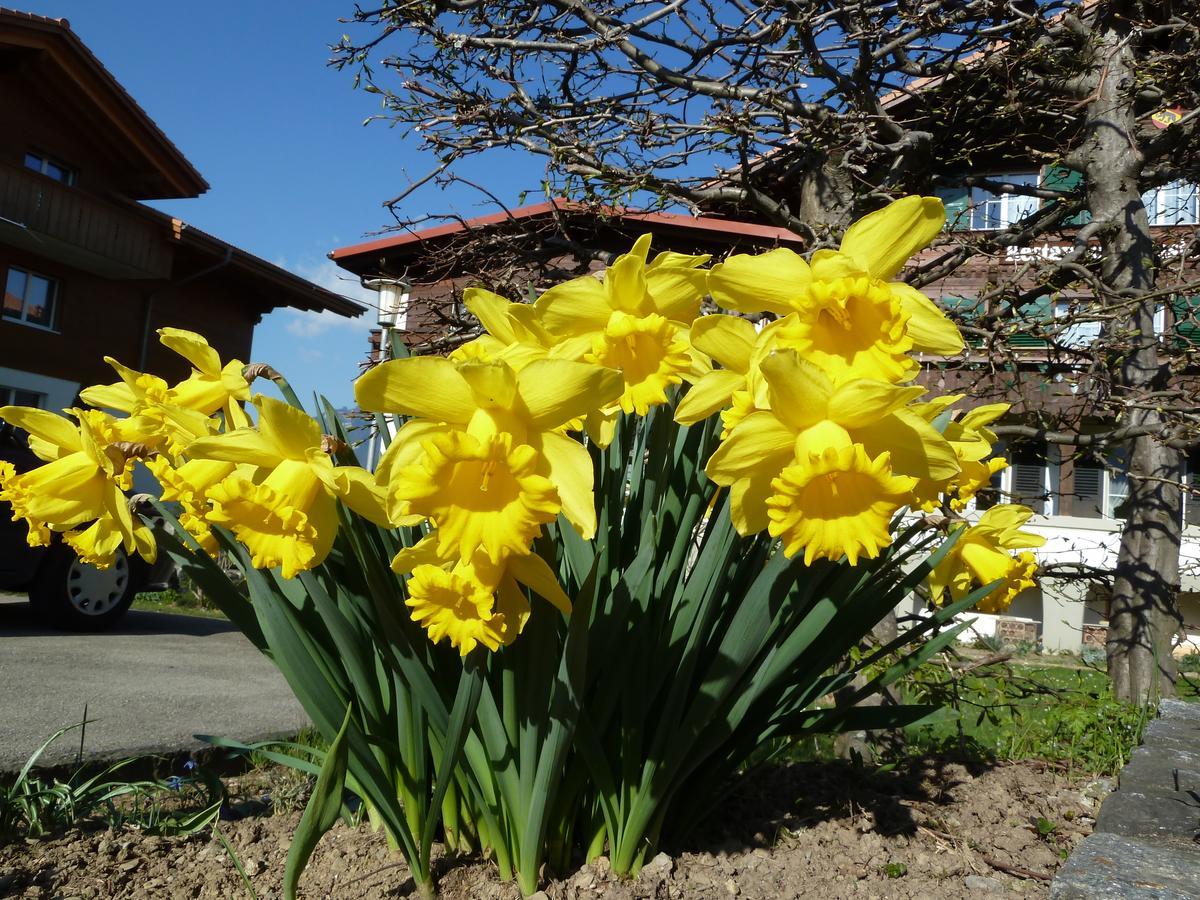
243 90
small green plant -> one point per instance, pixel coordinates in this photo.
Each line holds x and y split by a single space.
895 870
31 806
1045 827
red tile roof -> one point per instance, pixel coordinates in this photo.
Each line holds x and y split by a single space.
709 224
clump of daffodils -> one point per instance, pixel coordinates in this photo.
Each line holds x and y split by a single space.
824 436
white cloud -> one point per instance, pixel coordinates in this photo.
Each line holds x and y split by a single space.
308 325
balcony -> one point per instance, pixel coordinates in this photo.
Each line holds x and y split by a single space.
79 229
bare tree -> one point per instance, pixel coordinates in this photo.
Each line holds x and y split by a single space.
807 113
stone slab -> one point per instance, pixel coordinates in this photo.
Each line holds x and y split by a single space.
1157 768
1160 815
1111 867
1179 709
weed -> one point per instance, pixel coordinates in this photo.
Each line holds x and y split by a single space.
33 806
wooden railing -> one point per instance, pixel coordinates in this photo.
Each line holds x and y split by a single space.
82 227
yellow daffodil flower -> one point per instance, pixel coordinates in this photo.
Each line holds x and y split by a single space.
149 397
512 331
980 556
635 320
187 484
733 388
289 517
808 414
487 399
474 601
839 502
211 387
843 311
479 493
89 465
972 442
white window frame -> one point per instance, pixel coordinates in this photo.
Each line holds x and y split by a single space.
54 296
8 396
43 161
1008 208
1174 203
1051 481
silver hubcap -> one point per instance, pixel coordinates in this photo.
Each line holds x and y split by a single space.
95 591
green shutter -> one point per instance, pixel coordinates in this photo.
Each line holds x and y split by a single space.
1060 178
1187 320
957 201
968 310
1028 323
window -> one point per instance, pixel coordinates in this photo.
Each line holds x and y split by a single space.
11 396
30 298
1032 478
992 211
1079 333
50 168
1172 204
1191 489
1101 486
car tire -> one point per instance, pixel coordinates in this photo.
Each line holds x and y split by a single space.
70 594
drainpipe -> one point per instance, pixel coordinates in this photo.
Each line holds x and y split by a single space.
153 295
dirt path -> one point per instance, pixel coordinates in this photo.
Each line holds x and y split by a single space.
931 830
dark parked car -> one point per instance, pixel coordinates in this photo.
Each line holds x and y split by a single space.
65 592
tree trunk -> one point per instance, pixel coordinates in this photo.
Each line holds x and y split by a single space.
1143 617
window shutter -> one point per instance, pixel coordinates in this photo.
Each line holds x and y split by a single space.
969 309
1187 320
1191 499
1060 178
957 202
1031 316
1088 497
1029 485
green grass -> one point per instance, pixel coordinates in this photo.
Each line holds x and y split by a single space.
182 603
1051 708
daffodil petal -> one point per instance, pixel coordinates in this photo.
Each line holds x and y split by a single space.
799 390
882 242
291 431
358 489
50 427
555 391
492 312
192 347
861 402
571 474
760 442
768 281
711 393
531 570
916 446
242 445
443 395
574 307
727 339
422 553
930 330
110 396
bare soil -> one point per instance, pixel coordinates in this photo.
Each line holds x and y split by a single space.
929 829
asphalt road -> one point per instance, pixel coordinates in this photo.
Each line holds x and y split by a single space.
150 684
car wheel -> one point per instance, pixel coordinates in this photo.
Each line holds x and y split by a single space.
71 594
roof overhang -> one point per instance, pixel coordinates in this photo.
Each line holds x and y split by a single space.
78 81
364 259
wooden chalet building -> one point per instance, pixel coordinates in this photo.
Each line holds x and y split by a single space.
88 269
